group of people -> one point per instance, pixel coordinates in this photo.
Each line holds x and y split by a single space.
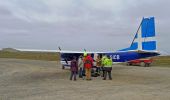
84 65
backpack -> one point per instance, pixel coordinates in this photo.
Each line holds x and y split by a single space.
87 61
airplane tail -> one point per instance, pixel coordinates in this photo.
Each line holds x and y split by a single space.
144 39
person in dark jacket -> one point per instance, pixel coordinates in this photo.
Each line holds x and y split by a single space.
73 68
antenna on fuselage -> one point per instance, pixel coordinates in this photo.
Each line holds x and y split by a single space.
84 50
59 48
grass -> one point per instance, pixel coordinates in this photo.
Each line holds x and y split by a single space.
49 56
162 61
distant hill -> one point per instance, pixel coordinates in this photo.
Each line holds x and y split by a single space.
13 53
9 50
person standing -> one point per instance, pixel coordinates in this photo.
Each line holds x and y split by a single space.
73 68
102 64
81 66
98 64
108 67
88 64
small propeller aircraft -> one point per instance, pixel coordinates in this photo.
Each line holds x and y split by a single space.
142 46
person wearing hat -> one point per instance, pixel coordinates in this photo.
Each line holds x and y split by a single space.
85 53
88 64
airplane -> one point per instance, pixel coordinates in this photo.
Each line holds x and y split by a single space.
143 45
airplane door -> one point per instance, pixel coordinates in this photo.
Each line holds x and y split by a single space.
95 56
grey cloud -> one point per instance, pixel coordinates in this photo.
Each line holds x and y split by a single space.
94 25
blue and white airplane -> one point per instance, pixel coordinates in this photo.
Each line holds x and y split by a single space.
142 46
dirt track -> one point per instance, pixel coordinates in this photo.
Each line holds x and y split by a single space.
43 80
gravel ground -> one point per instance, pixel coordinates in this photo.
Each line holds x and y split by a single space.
45 80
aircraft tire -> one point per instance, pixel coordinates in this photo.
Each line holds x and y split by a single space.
143 64
63 67
127 64
147 64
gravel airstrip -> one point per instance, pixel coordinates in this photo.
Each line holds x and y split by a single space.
45 80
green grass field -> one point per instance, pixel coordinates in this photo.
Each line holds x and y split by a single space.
49 56
162 61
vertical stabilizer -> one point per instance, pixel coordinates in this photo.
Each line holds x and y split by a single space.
145 36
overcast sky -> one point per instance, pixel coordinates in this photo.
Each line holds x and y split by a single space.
99 25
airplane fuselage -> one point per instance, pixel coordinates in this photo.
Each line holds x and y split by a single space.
116 56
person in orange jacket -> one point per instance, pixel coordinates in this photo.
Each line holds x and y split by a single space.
88 64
